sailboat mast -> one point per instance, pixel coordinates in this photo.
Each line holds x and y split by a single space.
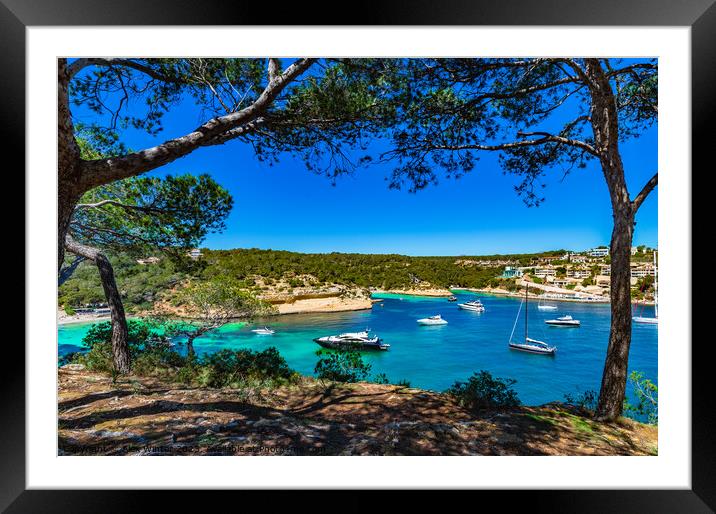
527 288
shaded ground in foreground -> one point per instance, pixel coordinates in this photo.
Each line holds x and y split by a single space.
143 416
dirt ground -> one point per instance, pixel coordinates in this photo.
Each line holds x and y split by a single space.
143 416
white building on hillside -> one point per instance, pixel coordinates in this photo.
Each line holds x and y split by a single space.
598 252
579 273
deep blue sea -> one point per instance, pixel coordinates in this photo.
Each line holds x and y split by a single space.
434 357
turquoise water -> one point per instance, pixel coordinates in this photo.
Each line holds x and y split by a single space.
433 357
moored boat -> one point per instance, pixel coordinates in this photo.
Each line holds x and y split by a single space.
529 345
534 346
433 320
541 307
473 305
352 340
563 321
452 298
265 331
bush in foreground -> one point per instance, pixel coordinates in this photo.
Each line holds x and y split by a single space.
147 348
341 366
483 391
153 355
382 378
234 368
586 400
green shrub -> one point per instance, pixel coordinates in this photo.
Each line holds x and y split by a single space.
381 378
141 339
341 366
584 400
482 391
69 310
232 368
157 360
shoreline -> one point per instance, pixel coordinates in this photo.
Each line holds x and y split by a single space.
497 292
337 304
428 293
303 306
64 319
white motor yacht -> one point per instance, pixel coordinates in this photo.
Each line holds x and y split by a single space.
433 320
265 331
474 305
360 340
563 321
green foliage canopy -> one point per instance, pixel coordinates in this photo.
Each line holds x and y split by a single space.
146 215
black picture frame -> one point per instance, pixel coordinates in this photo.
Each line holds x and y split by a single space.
700 15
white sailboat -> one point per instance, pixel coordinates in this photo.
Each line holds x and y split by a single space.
529 345
648 319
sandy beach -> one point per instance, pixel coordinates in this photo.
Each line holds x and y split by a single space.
65 319
331 304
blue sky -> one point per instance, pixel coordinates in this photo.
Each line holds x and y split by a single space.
287 207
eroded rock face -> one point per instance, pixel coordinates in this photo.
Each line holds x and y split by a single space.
144 416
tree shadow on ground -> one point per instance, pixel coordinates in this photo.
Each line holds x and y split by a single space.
357 419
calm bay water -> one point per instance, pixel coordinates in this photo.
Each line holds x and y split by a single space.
433 357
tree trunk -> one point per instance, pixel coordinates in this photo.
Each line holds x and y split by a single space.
605 125
614 377
66 202
68 161
66 272
120 347
191 355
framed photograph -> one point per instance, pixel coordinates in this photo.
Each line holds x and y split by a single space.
455 240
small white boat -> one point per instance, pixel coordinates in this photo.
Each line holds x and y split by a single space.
563 321
266 331
645 319
474 305
541 307
433 320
